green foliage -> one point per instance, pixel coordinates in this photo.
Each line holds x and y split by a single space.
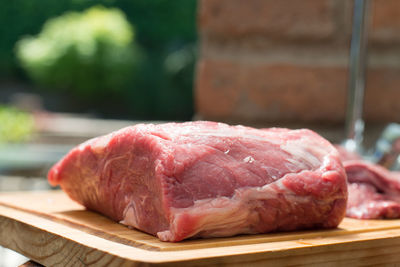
85 52
154 90
15 125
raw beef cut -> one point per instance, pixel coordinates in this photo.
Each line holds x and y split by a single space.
374 192
207 179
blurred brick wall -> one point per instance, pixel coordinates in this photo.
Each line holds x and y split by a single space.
270 61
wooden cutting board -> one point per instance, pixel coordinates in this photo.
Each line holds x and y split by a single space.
53 230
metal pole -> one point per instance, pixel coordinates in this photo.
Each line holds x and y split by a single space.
357 66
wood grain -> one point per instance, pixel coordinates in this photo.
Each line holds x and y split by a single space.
52 230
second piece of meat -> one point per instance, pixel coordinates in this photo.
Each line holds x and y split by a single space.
374 192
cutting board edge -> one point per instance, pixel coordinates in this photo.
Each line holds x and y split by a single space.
154 257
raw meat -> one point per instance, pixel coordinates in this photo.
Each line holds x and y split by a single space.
207 179
374 192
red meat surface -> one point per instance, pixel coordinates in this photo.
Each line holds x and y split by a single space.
207 179
374 192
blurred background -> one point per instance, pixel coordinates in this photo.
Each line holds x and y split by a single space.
74 69
78 68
